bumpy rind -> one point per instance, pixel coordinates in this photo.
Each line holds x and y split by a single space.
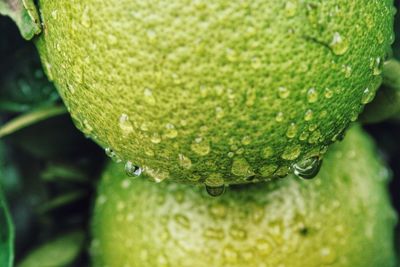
215 92
342 218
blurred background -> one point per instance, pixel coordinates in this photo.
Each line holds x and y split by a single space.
48 169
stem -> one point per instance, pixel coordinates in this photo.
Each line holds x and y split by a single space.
30 118
386 104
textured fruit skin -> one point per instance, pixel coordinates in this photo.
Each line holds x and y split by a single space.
232 90
342 218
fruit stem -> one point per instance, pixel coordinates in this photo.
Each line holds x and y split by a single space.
24 13
30 118
386 104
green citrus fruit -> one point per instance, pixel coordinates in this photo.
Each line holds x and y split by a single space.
341 218
229 91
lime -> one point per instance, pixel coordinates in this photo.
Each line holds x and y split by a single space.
342 218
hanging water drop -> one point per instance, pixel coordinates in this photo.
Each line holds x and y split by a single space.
339 44
132 170
111 154
215 191
215 185
307 168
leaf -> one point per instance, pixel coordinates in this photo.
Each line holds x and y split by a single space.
6 235
24 14
61 251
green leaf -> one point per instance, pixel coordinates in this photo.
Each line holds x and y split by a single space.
6 235
56 253
24 14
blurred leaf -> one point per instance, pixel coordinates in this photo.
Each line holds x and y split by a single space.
6 235
61 200
56 253
25 15
23 84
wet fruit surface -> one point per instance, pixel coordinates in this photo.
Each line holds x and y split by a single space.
194 90
342 218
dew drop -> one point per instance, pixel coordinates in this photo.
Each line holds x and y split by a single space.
368 96
292 153
124 124
290 9
307 168
328 256
376 66
312 95
184 161
283 92
155 138
279 117
171 132
241 167
85 19
328 93
200 146
215 191
215 185
246 140
347 71
267 171
149 97
132 170
339 44
111 154
291 131
256 63
308 115
267 152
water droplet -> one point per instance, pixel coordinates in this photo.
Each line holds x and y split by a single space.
290 9
312 95
339 44
230 255
200 146
241 167
125 125
215 185
111 153
148 97
171 131
132 170
307 168
184 161
328 93
263 247
308 115
267 152
246 140
292 153
219 112
256 63
291 131
267 171
157 175
54 14
283 92
303 136
376 66
238 233
182 220
279 117
155 138
86 20
328 256
214 233
347 71
368 96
